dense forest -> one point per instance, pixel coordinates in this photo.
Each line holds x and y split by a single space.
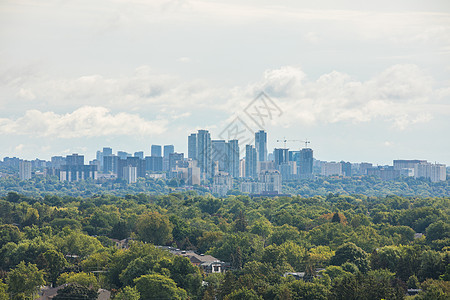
345 246
321 186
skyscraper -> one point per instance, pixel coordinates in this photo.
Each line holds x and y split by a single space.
107 151
346 168
58 161
167 150
123 154
174 158
139 154
75 160
154 163
204 153
219 153
281 156
261 145
156 151
306 162
110 164
99 157
192 146
75 170
250 161
233 158
24 170
136 162
130 174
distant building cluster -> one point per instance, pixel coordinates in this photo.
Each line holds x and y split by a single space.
218 165
400 168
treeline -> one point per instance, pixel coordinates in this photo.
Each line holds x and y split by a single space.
369 186
345 247
40 186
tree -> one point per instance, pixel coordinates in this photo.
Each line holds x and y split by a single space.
154 228
87 280
3 291
262 227
80 244
284 233
345 288
349 252
9 233
431 265
208 240
386 258
320 256
274 255
380 284
228 284
156 286
120 230
76 291
434 289
128 293
96 262
186 275
437 231
24 281
54 262
243 294
307 290
337 218
413 282
241 222
334 272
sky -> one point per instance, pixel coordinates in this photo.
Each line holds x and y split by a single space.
362 81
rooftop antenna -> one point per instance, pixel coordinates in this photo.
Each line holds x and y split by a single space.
284 141
306 142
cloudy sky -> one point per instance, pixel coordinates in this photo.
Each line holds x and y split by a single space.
363 81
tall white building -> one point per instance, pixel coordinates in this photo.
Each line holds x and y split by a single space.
25 170
331 168
434 172
271 180
222 183
130 174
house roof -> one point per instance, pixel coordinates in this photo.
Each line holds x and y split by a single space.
193 257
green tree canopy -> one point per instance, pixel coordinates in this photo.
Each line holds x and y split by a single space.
76 291
157 286
24 281
154 228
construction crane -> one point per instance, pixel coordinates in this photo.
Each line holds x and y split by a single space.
284 140
306 142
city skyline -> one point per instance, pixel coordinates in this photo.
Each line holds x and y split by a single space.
361 81
219 160
282 146
210 150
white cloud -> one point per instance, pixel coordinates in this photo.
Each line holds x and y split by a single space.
142 90
402 95
312 37
184 59
86 121
19 147
26 94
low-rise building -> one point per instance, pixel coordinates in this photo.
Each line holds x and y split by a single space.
208 263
